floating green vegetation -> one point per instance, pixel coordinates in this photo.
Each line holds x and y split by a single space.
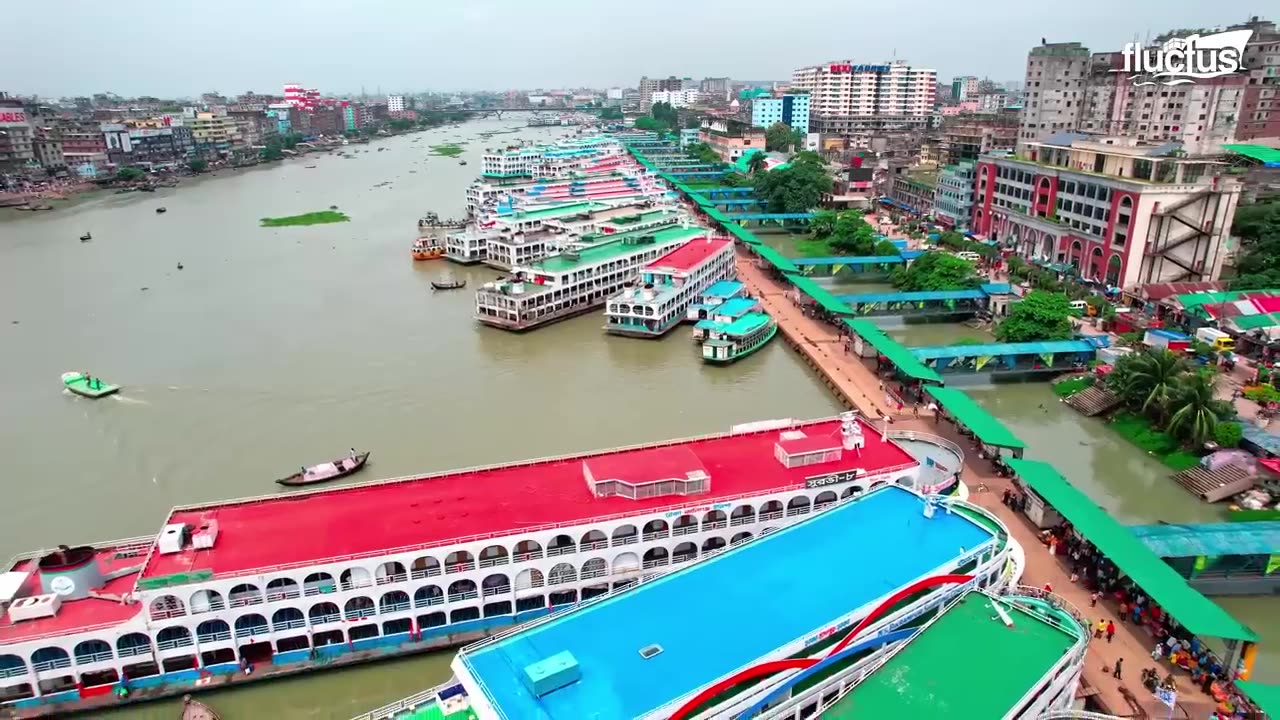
311 218
449 150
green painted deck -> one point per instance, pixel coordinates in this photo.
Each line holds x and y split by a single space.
616 248
967 664
80 386
433 712
745 325
552 212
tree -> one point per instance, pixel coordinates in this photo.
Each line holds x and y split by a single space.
702 152
853 234
273 150
611 113
198 165
734 179
935 271
884 248
778 137
129 174
644 122
1228 435
796 188
1198 411
692 123
1148 380
757 163
291 140
823 224
1040 315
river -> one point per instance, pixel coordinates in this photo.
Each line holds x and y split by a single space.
274 348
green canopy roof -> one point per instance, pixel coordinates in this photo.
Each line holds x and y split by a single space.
900 356
778 260
820 295
972 415
1261 153
715 214
1197 613
1253 322
742 234
1264 696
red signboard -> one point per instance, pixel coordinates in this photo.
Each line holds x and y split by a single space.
13 117
841 68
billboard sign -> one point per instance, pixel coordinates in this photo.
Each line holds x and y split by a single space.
12 116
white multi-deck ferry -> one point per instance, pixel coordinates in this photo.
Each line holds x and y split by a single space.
278 584
579 278
668 287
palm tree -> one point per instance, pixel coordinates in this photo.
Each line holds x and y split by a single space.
1152 379
1198 411
757 163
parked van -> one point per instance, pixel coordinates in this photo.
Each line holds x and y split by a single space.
1078 307
969 255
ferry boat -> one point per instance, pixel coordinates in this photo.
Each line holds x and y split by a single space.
660 299
265 584
725 314
576 280
713 297
427 248
738 339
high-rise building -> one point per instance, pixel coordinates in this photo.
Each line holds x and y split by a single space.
966 136
648 86
964 88
1260 108
1057 74
16 149
845 97
714 86
395 104
790 109
1119 210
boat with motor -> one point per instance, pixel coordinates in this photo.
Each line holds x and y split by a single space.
86 385
448 284
161 211
193 709
326 472
731 342
86 237
427 248
724 314
275 582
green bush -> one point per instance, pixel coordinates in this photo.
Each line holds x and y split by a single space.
1067 388
1228 434
1138 430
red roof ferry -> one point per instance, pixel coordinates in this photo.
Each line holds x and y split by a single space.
668 287
407 564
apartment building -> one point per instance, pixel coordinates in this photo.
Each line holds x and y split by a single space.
213 134
1057 75
964 88
47 147
914 191
1119 210
791 109
16 149
846 97
966 136
675 98
953 200
1260 107
648 86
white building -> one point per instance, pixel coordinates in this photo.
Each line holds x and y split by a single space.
1056 77
614 93
395 103
846 97
675 98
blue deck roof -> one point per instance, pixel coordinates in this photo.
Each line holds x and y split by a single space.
718 615
1031 348
723 289
1211 539
924 296
737 307
996 288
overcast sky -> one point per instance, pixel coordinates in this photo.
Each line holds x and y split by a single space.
182 48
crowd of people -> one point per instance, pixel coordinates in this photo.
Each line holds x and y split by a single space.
1172 643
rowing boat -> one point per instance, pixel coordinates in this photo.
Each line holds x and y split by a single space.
88 386
324 472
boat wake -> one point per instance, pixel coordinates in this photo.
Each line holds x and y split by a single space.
128 400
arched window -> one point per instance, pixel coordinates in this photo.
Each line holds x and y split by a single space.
50 658
493 556
593 540
245 594
531 578
798 505
203 601
711 544
742 515
626 562
562 574
211 631
428 595
89 651
528 550
684 552
356 577
625 535
133 644
358 607
390 572
771 510
325 612
561 545
250 625
496 584
167 606
594 568
824 498
685 525
287 618
656 530
174 637
463 590
317 583
393 602
714 520
740 538
459 561
656 557
283 589
424 567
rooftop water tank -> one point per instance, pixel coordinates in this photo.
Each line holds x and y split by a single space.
70 572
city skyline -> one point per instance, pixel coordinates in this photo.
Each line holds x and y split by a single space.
343 46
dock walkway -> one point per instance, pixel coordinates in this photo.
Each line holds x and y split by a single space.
857 386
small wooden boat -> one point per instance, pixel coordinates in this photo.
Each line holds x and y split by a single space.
325 472
160 210
86 237
196 710
462 162
86 385
449 284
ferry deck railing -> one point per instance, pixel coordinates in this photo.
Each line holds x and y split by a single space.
386 712
792 424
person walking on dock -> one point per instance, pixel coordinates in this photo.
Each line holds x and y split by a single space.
1116 673
1100 628
1111 630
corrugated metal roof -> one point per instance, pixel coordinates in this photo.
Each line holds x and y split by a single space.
1211 539
1032 348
